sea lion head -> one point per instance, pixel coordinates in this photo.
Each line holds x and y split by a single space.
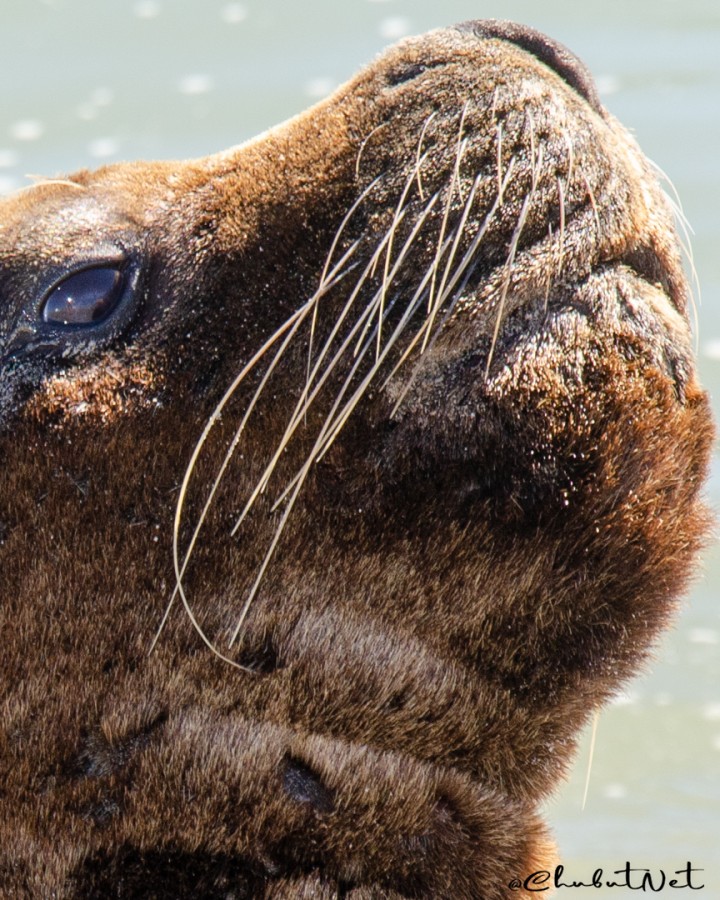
405 390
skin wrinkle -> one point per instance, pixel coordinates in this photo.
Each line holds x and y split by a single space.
433 333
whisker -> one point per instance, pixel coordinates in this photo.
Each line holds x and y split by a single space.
534 168
549 278
268 556
358 359
685 242
536 161
371 270
312 457
675 199
337 426
447 314
419 293
205 639
593 737
366 316
362 147
506 280
334 428
459 231
571 162
593 204
460 150
500 179
291 324
262 483
561 230
339 423
441 288
417 157
211 422
330 255
333 424
459 153
494 104
464 262
440 244
393 226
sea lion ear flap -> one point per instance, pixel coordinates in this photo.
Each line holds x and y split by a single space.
554 54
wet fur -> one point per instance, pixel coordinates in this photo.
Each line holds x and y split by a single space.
480 557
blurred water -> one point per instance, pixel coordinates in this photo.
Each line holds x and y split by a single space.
91 81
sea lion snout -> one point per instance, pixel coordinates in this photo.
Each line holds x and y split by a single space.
551 52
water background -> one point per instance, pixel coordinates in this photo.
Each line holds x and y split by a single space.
93 81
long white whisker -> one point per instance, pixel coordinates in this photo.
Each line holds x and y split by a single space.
291 324
571 163
362 147
459 153
306 400
336 423
312 457
450 260
508 275
213 419
400 328
469 253
446 315
593 738
357 362
561 230
331 253
388 251
429 119
500 177
336 427
374 261
398 215
685 241
333 424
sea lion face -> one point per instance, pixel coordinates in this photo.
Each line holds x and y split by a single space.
435 330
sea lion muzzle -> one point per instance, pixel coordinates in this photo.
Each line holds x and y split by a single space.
554 54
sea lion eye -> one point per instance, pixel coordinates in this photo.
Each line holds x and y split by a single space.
84 298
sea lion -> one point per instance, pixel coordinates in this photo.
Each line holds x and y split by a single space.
397 402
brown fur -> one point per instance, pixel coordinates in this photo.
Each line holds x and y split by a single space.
460 583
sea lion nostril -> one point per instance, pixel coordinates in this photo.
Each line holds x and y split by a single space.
554 54
305 786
